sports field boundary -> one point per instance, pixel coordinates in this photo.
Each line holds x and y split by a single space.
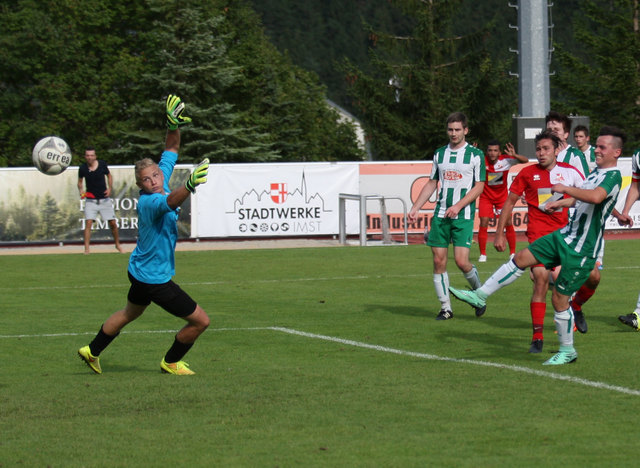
374 347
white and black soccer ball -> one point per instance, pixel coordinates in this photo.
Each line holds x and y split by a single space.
51 155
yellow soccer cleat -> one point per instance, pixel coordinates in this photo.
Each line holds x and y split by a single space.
91 361
176 368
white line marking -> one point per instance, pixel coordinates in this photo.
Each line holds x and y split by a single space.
526 370
383 349
221 283
126 332
263 281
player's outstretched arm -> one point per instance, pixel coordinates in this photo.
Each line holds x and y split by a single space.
594 195
511 151
197 177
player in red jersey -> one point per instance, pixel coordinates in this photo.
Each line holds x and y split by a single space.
535 182
495 193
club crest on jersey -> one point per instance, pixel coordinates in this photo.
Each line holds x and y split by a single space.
452 175
278 192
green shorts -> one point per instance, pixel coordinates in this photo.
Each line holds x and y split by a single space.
445 231
551 250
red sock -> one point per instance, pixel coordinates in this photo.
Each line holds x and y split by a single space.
483 235
511 238
538 310
582 296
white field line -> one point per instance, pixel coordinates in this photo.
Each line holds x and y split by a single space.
263 281
434 357
224 282
382 349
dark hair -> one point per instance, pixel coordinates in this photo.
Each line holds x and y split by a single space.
558 117
457 117
581 128
89 148
493 142
548 135
616 133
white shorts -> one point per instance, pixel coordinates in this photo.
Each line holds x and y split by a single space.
103 207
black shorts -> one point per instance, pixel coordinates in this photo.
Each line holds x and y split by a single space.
168 295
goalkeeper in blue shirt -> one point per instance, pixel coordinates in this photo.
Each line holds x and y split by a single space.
152 263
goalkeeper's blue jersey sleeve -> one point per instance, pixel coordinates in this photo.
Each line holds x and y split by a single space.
153 259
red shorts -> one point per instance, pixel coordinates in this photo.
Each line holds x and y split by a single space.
490 208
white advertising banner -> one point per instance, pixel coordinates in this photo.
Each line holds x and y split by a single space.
239 200
253 200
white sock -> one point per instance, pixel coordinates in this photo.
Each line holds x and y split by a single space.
502 277
638 305
564 326
441 282
473 278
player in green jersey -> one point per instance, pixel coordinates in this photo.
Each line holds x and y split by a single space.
560 124
582 139
459 169
575 246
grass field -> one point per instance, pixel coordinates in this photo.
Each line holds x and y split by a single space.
315 357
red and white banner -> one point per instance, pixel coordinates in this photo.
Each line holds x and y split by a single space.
406 179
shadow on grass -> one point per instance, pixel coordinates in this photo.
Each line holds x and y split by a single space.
475 333
410 311
490 346
461 313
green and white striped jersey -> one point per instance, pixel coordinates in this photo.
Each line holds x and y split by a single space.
585 230
457 171
590 156
575 157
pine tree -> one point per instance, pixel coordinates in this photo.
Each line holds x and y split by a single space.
283 100
420 78
190 58
604 81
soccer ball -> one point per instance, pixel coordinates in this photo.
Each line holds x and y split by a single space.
51 155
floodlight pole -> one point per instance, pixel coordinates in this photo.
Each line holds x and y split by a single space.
533 57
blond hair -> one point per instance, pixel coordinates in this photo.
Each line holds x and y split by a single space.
143 164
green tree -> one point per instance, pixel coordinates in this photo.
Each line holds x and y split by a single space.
284 101
189 57
67 70
602 78
317 36
422 77
96 72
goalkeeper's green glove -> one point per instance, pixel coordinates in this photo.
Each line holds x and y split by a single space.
198 176
175 107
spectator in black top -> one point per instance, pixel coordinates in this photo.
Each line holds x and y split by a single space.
99 185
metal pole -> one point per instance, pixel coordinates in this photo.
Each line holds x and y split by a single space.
533 42
363 220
